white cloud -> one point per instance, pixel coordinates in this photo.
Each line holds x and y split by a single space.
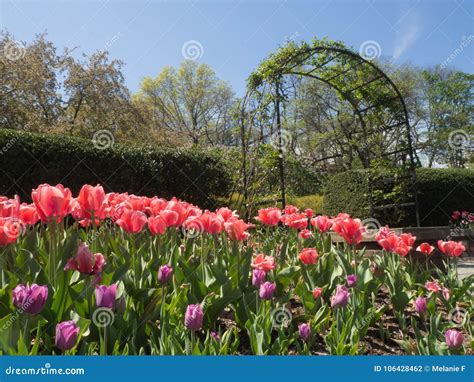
404 39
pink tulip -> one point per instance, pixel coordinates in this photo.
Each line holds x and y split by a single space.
52 202
66 335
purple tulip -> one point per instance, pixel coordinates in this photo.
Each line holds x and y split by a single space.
341 298
30 299
258 277
305 331
454 339
193 317
66 335
105 296
216 337
164 274
420 305
351 280
266 290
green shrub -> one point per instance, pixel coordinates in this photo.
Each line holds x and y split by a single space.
27 160
440 191
315 202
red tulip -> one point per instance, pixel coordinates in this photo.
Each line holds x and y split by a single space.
28 214
9 208
456 215
309 213
350 229
263 263
85 261
290 210
92 202
308 256
52 202
425 248
389 243
317 292
132 221
156 205
226 213
212 223
383 233
451 248
269 216
171 218
237 229
305 234
296 220
180 209
408 239
433 286
322 223
402 249
156 225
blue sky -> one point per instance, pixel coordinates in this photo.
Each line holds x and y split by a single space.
234 36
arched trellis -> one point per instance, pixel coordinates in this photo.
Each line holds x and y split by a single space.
382 130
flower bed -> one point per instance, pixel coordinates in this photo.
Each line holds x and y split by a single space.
124 274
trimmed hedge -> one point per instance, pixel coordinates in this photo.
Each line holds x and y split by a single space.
440 191
27 160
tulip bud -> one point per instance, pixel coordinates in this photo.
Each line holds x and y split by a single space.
341 298
215 336
304 331
105 296
193 317
266 290
30 299
66 335
454 339
258 277
164 274
420 305
351 280
317 292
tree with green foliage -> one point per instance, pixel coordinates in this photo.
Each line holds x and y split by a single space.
190 101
